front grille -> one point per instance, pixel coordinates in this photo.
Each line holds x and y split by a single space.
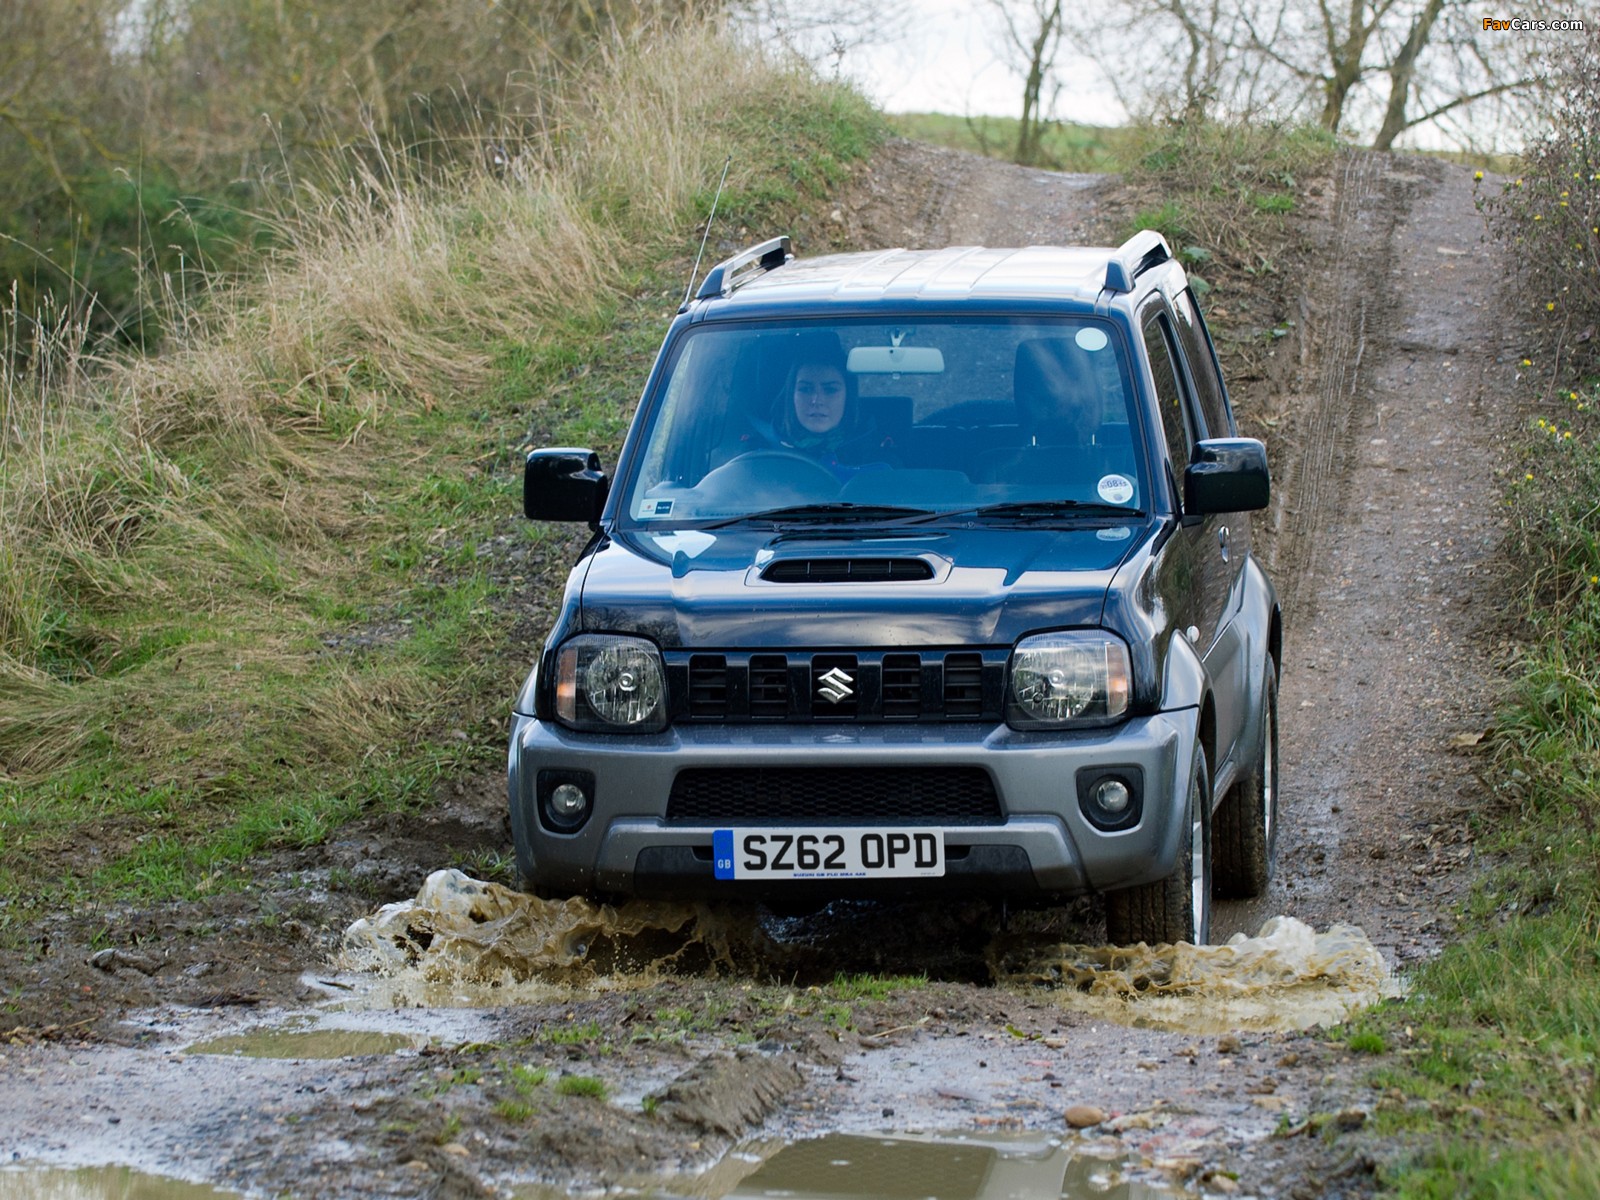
769 687
963 685
737 687
833 795
708 686
902 686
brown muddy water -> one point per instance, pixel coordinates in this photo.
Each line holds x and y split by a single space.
469 943
98 1183
833 1167
902 1167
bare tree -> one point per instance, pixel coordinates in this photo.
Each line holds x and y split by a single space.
1033 37
1379 66
822 30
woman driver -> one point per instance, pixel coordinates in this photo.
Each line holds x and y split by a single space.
818 414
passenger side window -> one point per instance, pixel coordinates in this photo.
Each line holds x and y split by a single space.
1202 367
1169 395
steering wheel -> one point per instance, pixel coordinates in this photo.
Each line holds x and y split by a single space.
805 472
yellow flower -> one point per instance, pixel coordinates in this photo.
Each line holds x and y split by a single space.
1550 307
1594 579
1567 434
1572 395
1529 475
1477 174
1538 216
1527 362
1563 195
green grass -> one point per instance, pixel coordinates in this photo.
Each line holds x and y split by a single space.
528 1079
262 587
874 987
582 1085
1065 147
1495 1070
1224 189
573 1035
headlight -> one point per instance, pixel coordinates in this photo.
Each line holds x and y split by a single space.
1058 679
611 684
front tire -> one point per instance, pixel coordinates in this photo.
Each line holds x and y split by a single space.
1177 908
1247 821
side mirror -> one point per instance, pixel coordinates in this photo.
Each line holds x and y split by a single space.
564 484
1227 475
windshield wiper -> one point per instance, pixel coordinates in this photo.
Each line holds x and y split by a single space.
825 512
1036 510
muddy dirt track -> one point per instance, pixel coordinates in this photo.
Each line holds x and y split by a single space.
1384 408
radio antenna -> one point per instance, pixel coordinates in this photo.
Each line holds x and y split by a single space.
695 270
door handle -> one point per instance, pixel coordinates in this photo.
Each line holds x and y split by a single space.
1222 541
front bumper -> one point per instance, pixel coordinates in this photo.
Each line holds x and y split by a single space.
1043 845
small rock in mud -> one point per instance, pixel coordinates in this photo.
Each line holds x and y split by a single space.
1083 1116
112 959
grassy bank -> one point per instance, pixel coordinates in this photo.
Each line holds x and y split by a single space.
1492 1062
1064 147
267 580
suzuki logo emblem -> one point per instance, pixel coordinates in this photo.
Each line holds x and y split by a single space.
834 685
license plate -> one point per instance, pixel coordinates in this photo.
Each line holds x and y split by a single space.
856 853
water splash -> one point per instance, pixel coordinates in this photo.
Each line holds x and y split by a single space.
1286 977
461 932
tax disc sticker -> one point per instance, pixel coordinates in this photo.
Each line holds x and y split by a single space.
1117 533
1115 489
1091 339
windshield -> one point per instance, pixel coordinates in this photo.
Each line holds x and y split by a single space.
884 421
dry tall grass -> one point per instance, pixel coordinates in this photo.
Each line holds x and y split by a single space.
140 487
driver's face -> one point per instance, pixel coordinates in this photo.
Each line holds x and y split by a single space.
819 397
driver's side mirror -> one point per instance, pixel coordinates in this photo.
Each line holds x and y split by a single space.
564 484
1227 475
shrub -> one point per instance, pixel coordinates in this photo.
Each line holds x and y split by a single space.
1549 215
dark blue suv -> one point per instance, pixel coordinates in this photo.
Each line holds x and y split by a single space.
921 571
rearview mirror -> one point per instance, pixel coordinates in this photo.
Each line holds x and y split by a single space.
1227 475
564 484
895 360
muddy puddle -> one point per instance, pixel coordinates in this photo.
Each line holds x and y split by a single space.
98 1183
302 1039
463 942
954 1166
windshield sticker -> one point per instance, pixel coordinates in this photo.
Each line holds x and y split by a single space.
656 508
1091 339
1115 489
1117 533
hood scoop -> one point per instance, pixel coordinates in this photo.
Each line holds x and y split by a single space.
847 570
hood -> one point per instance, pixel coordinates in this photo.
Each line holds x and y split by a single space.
714 589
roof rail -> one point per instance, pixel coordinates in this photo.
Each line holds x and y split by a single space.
1134 257
745 266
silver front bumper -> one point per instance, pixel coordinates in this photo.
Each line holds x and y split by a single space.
1043 844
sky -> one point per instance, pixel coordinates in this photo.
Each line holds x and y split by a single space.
949 61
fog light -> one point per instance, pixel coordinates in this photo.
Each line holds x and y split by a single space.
1112 796
568 803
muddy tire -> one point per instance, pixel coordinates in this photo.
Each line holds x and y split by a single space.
1246 834
1177 908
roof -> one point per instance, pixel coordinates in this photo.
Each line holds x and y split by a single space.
957 273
